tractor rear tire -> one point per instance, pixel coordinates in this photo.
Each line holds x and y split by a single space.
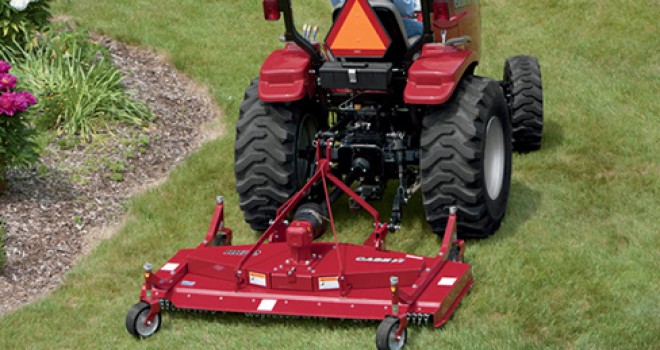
269 154
524 92
466 159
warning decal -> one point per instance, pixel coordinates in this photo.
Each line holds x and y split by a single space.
447 281
169 267
358 32
258 279
328 283
267 305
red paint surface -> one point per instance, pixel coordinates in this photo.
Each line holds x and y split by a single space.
285 76
433 77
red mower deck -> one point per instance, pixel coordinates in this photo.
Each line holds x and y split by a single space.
293 275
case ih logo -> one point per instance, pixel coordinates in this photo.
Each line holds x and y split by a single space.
240 252
380 260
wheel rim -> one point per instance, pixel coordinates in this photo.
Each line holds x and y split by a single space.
146 330
306 133
397 344
494 157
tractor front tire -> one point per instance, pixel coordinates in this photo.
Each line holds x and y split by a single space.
524 92
466 159
271 154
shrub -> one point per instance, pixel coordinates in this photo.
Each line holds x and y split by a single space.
16 132
80 91
21 19
2 245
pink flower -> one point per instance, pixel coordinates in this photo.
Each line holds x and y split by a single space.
4 67
7 81
31 100
23 100
7 103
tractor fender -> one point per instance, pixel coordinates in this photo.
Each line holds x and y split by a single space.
285 75
433 77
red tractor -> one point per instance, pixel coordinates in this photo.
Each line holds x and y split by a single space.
369 106
392 108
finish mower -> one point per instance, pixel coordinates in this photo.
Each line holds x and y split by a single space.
367 107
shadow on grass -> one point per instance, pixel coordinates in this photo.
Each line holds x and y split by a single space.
311 323
523 204
553 135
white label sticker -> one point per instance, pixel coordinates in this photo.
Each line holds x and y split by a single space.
258 279
447 281
328 283
267 305
169 267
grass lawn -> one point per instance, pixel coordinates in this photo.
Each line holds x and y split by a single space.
574 265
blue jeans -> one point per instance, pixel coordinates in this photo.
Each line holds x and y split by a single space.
413 27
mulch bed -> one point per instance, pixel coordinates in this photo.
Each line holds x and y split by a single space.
52 220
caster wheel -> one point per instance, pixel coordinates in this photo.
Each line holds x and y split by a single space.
386 335
135 321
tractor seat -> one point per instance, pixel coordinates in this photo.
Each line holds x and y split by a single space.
390 18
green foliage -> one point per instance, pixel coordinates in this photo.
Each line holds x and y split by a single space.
17 27
17 146
79 90
3 257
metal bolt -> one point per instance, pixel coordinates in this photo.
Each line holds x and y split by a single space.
219 199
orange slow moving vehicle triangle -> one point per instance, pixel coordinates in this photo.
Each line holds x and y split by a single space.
357 32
